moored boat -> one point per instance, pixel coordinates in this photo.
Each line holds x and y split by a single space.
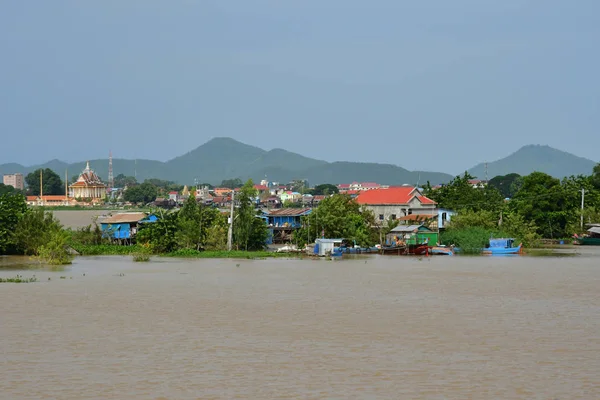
397 250
502 246
592 238
441 250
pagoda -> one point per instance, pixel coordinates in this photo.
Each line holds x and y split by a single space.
88 185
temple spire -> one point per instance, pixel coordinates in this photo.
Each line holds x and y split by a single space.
87 166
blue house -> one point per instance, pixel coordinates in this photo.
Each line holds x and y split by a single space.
283 222
124 226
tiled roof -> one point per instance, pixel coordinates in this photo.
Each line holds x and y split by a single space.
393 195
173 193
123 218
426 200
261 187
289 212
370 184
343 186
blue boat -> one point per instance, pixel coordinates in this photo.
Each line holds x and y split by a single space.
441 250
502 246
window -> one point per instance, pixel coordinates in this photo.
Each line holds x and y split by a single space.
409 212
393 216
381 217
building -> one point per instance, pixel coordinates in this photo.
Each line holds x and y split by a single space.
14 180
124 226
396 202
412 234
88 186
284 221
50 200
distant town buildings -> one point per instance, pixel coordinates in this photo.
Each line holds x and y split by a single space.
14 180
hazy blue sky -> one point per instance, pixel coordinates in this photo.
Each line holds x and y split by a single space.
435 85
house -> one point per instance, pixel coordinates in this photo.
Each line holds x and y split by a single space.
396 202
413 234
174 196
221 191
284 221
271 202
327 247
88 186
261 189
359 186
290 196
124 226
477 184
438 219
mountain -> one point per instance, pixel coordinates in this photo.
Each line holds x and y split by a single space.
532 158
225 158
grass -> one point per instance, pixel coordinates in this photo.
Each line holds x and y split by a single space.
18 279
251 255
141 257
106 249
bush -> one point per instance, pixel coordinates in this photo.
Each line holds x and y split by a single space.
470 240
55 251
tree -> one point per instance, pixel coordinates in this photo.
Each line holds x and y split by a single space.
160 235
460 194
325 189
53 185
338 216
250 232
232 183
141 194
36 228
542 200
596 176
6 189
122 181
507 185
12 208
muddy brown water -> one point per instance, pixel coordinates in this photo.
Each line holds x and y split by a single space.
366 328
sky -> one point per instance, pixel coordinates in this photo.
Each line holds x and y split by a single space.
432 85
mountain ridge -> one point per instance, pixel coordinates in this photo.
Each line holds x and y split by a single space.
225 158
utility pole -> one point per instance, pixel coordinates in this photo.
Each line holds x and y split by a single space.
582 204
41 187
230 231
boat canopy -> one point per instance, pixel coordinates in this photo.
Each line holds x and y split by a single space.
502 242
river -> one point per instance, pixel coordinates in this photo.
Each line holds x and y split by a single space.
379 327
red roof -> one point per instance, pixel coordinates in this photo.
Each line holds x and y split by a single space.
173 192
393 195
261 187
425 200
343 186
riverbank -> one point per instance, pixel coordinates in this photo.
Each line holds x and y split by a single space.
115 250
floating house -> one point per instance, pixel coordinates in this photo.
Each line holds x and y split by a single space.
328 247
124 226
413 234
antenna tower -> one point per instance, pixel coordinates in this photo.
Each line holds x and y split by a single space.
111 180
486 172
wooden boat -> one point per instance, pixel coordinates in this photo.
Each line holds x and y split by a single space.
417 249
441 250
398 250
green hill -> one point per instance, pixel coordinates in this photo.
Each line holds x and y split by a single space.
225 158
532 158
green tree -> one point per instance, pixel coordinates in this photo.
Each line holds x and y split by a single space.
542 200
53 185
141 194
325 189
6 189
35 228
122 181
160 236
54 251
12 208
250 232
232 183
596 176
339 216
507 185
460 194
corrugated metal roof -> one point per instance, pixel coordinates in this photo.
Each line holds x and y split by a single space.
288 212
406 228
123 218
595 229
417 217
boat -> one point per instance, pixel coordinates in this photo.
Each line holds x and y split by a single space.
502 246
441 250
418 249
592 238
397 250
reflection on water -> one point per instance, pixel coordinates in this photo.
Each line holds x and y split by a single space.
375 327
